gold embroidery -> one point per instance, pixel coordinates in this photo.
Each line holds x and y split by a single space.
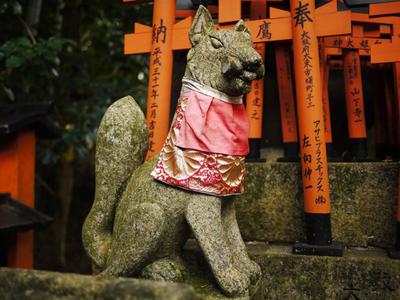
232 169
180 163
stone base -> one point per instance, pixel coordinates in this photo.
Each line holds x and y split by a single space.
394 253
334 249
363 203
360 274
41 285
255 160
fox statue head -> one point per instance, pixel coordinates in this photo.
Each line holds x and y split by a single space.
222 59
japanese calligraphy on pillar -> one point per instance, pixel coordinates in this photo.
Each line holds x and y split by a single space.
154 96
254 101
324 67
286 97
354 94
160 75
310 108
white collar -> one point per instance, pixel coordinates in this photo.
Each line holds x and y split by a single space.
209 91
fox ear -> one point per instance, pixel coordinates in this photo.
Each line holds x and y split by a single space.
202 25
241 26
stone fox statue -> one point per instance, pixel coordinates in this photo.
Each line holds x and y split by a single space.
137 225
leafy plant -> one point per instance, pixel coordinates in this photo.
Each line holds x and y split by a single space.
74 58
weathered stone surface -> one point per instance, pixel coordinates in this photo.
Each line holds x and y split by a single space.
363 201
359 274
362 273
121 145
138 226
29 284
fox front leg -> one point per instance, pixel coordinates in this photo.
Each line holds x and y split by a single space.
238 248
204 217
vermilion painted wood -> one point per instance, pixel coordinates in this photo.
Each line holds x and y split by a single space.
396 77
385 29
354 94
17 169
338 52
181 14
364 18
255 98
286 96
229 11
326 25
314 163
329 7
351 42
357 30
275 13
381 9
255 101
389 104
386 53
160 74
324 66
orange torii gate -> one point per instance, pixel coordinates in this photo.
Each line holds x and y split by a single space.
286 102
255 98
279 27
286 96
383 53
380 43
390 53
144 40
313 155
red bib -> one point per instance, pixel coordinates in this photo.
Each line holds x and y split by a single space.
213 125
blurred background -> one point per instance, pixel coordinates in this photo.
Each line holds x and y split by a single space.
70 54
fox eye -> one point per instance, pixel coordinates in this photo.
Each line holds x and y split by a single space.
216 42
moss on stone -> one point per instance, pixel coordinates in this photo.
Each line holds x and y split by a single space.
359 274
363 202
41 285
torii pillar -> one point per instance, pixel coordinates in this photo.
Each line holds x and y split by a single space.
355 103
286 103
17 171
160 75
255 98
311 133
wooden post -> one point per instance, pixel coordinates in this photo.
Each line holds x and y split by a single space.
254 109
354 104
160 75
286 103
17 173
389 104
311 133
324 67
229 11
255 98
381 145
396 79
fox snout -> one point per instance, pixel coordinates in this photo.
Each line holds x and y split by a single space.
248 70
255 65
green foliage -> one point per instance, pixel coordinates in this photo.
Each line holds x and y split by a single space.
73 58
29 67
